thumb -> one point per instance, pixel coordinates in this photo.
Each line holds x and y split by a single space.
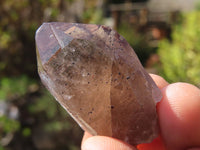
105 143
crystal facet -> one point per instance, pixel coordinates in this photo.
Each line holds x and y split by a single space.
96 76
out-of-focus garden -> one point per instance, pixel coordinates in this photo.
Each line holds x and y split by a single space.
164 33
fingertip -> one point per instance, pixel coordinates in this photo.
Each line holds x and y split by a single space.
179 115
105 143
85 137
184 99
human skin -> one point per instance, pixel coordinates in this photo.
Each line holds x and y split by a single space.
179 121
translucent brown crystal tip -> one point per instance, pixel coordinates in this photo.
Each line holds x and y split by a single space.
96 76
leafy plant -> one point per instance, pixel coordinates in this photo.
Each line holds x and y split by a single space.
1 148
8 125
15 87
181 57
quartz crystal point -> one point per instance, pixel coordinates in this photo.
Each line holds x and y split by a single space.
96 76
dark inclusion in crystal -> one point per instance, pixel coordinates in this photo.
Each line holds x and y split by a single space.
96 76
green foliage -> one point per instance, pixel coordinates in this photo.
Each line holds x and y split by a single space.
93 16
58 126
5 38
26 132
15 87
46 104
1 148
8 125
181 57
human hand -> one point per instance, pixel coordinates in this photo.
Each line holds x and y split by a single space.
179 120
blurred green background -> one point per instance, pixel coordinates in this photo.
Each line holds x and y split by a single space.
164 34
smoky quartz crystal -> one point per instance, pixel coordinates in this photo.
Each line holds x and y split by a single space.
96 76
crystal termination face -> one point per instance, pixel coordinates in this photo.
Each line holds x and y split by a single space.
96 76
